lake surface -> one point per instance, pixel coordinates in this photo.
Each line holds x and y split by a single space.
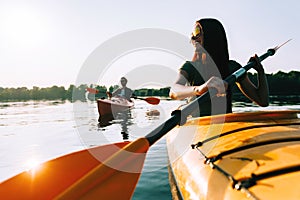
34 132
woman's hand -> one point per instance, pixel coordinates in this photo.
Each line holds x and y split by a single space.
258 66
197 46
259 93
215 83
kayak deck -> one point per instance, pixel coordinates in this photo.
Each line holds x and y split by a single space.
237 156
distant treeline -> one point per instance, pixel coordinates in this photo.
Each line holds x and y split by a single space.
280 83
73 93
282 87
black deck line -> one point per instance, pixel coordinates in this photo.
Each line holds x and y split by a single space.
249 146
243 129
247 183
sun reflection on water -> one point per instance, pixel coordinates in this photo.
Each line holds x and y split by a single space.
32 165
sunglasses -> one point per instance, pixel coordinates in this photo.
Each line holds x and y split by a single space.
197 33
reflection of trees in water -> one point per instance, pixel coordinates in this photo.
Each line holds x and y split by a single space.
276 100
123 118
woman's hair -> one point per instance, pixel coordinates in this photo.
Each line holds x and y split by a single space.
215 43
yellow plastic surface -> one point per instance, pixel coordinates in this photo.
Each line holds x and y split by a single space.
197 180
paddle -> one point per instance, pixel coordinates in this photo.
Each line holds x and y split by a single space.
150 100
83 174
92 90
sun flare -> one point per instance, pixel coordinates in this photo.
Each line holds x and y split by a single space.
32 164
22 26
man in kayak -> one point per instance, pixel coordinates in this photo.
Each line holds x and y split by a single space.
123 92
199 75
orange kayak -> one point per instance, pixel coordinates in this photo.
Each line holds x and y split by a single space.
113 105
236 156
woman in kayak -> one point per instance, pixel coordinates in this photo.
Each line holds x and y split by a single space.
199 75
123 92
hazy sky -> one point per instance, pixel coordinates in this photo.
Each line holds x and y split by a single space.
46 42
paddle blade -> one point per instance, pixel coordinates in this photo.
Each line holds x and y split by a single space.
55 178
115 178
152 100
92 90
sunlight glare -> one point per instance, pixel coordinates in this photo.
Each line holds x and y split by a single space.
22 26
32 165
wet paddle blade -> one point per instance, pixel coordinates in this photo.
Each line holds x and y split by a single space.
278 46
116 178
92 90
61 177
150 100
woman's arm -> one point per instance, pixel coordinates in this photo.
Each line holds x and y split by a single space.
260 93
179 90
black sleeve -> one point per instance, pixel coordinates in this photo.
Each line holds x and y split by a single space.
189 69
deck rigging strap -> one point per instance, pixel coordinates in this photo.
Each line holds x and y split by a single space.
249 146
230 177
243 185
200 143
249 182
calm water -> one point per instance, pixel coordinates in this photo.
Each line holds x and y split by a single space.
34 132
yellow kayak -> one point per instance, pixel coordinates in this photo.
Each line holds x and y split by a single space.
236 156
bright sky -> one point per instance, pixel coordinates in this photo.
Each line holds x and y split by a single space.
45 42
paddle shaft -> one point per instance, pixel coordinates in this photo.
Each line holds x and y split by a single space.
135 97
150 100
178 117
